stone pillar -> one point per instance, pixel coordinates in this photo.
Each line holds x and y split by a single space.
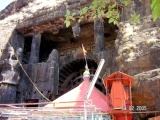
99 35
35 48
53 59
76 29
99 41
10 79
9 76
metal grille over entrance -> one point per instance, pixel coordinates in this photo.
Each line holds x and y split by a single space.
70 75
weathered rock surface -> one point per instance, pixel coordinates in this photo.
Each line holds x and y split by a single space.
138 48
53 56
147 84
8 93
14 7
9 78
146 92
32 14
44 76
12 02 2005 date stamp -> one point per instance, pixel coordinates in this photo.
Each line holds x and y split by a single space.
136 108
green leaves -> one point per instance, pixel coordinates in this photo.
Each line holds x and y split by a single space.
135 18
101 9
83 11
155 7
67 23
69 17
112 14
98 9
109 9
111 6
125 2
111 20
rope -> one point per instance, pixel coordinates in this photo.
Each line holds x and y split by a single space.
28 75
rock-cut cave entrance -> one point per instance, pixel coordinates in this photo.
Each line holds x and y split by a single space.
68 46
71 75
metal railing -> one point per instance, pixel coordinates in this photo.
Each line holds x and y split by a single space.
84 110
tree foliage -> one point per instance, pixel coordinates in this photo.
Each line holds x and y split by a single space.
109 9
155 7
101 9
135 18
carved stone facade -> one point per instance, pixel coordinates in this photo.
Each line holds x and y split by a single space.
9 67
9 78
44 75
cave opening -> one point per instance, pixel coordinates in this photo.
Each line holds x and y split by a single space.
50 41
71 75
64 40
46 47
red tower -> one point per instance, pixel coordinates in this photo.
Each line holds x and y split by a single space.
118 87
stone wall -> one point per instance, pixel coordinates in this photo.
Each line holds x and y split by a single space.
44 76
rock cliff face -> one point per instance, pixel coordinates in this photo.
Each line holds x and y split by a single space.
14 7
147 88
138 48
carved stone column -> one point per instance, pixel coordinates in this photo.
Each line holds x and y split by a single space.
99 35
99 38
35 47
76 29
10 73
99 41
10 79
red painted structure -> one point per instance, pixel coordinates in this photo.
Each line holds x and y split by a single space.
79 94
118 86
117 102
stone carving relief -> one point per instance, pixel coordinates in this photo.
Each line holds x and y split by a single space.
10 72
